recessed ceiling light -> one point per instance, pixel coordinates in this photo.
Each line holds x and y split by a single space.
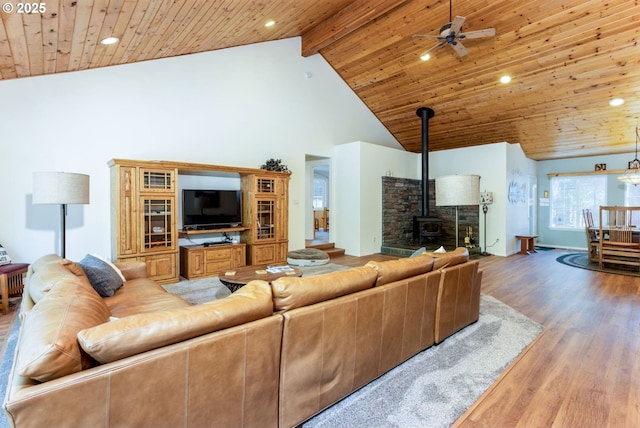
505 79
425 57
616 102
270 23
109 41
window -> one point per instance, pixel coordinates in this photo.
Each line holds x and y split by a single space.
631 195
632 199
320 192
570 195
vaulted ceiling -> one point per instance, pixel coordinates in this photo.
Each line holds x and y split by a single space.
567 59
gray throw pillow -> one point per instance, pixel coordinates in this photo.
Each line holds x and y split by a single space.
103 276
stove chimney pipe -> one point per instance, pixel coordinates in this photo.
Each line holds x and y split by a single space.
425 113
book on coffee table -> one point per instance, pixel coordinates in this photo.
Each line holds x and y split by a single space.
279 269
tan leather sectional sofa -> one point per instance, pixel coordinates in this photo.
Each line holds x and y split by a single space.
269 355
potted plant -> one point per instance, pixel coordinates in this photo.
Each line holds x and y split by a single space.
275 165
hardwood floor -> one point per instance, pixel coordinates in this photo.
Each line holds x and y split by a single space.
583 371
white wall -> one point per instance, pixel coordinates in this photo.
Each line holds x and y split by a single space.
359 168
236 107
496 164
490 163
520 172
357 205
346 212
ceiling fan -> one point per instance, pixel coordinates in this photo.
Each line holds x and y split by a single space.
450 34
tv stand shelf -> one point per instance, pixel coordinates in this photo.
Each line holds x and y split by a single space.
210 231
198 261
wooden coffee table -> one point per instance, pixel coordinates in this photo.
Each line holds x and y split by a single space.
233 279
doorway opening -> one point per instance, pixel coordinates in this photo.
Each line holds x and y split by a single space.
318 212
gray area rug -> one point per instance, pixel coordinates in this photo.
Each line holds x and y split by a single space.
581 260
434 388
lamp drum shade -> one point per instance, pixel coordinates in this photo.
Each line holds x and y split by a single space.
456 190
60 188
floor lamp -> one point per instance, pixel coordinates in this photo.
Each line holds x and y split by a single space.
60 188
457 190
486 198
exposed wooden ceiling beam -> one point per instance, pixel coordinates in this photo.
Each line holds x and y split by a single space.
349 19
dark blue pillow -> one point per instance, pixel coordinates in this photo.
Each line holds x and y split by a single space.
103 276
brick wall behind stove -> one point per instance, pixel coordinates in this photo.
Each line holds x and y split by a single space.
402 199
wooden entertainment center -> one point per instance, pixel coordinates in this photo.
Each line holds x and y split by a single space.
144 219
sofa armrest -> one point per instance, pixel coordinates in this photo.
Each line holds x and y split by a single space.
458 302
132 269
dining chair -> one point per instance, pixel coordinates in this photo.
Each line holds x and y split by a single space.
621 248
593 241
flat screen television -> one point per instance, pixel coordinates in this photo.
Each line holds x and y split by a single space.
211 209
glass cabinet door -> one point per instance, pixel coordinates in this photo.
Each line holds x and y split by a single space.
265 185
265 218
158 224
160 180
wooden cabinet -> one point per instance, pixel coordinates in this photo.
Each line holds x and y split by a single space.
265 206
144 218
162 267
198 261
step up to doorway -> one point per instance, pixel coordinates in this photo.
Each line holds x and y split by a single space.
328 248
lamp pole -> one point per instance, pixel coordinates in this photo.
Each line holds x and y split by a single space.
485 208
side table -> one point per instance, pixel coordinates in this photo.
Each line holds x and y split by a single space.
11 282
527 244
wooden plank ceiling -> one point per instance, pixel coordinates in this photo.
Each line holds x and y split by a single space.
568 58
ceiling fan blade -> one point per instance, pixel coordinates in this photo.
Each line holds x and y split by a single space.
489 32
426 36
460 50
435 47
456 25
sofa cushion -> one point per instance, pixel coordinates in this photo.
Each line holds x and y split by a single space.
395 270
45 273
294 292
132 269
450 258
142 295
48 346
147 303
134 334
104 277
